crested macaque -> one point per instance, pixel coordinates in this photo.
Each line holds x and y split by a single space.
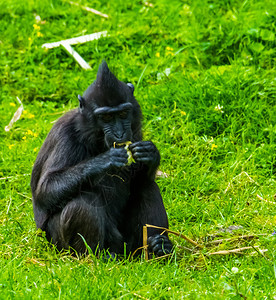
82 184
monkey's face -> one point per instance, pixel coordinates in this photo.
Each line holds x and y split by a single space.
115 123
110 109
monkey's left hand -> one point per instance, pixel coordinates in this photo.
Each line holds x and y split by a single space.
145 152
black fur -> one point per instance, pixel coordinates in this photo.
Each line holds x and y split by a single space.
81 184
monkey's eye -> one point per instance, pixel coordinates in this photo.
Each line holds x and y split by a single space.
106 118
123 114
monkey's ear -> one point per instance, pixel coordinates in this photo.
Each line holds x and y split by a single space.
81 102
131 86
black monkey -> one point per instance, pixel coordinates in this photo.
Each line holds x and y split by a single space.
81 183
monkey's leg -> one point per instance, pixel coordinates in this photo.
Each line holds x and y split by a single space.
149 209
77 218
86 218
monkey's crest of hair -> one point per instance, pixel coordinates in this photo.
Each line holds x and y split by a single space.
105 78
107 90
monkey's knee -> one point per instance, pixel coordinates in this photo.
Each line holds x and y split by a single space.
78 226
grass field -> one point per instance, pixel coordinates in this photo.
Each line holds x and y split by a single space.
204 74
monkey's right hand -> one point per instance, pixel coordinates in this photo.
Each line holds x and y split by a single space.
116 158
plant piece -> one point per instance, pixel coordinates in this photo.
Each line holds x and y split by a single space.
126 145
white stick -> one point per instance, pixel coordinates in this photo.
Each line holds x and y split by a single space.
94 11
76 56
77 40
16 115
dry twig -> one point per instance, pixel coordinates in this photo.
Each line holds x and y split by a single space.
145 242
225 252
177 234
261 198
77 40
242 237
16 115
239 175
92 10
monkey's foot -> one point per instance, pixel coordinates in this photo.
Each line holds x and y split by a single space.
160 245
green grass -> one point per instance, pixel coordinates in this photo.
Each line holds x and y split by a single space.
185 59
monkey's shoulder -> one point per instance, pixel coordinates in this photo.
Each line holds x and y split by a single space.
64 131
65 125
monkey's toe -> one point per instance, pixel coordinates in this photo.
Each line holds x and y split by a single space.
160 245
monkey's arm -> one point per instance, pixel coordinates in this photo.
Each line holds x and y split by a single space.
146 153
58 185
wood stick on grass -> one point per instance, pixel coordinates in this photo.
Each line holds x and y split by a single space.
16 115
136 250
77 40
145 242
177 234
92 10
145 239
261 198
76 56
226 252
139 296
239 175
242 237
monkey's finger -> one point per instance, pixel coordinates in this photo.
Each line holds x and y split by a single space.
122 153
166 244
145 155
139 145
157 238
120 162
118 151
146 148
141 155
142 144
121 158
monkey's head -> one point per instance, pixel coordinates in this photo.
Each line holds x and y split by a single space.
109 105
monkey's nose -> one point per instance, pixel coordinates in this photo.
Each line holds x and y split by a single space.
119 135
